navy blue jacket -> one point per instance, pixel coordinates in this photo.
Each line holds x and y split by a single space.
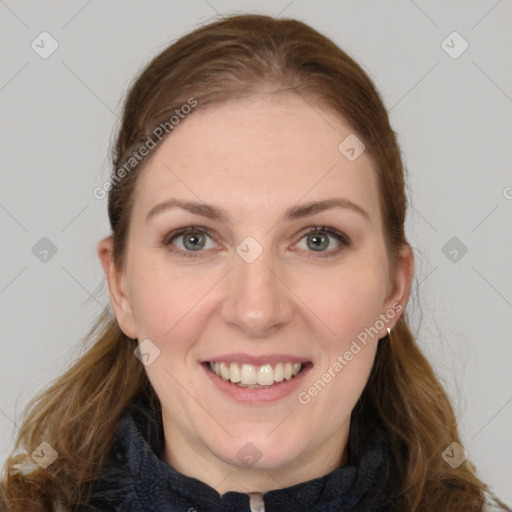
136 479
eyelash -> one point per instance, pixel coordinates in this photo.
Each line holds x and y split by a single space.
344 240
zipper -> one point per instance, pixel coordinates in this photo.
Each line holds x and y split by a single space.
256 502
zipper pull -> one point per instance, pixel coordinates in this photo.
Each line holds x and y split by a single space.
256 502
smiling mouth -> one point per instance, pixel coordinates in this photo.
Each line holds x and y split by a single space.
256 376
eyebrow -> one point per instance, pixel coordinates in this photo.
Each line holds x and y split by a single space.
292 213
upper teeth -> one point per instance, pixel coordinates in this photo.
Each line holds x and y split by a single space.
247 374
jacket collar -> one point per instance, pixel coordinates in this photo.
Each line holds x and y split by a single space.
136 477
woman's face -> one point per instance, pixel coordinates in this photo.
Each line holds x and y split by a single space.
258 286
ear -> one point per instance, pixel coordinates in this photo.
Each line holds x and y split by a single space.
399 295
119 296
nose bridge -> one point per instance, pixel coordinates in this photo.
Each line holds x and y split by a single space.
258 299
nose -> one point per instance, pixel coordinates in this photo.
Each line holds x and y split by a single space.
258 301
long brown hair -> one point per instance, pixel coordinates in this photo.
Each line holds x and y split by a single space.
236 57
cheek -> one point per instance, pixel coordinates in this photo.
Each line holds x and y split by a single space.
351 305
165 299
350 309
348 300
337 399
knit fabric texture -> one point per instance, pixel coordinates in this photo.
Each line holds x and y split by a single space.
137 479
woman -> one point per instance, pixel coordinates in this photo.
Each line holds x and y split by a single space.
258 270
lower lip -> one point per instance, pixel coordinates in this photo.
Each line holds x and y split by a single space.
257 395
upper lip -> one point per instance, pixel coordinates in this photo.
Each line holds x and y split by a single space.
256 360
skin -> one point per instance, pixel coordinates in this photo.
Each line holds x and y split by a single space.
255 158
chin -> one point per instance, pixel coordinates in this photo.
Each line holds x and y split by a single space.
260 453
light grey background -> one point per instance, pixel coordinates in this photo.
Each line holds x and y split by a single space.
453 117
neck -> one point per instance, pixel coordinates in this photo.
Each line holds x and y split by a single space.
195 460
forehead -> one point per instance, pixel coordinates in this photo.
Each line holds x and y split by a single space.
257 151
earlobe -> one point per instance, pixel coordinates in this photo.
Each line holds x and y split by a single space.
402 286
119 296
